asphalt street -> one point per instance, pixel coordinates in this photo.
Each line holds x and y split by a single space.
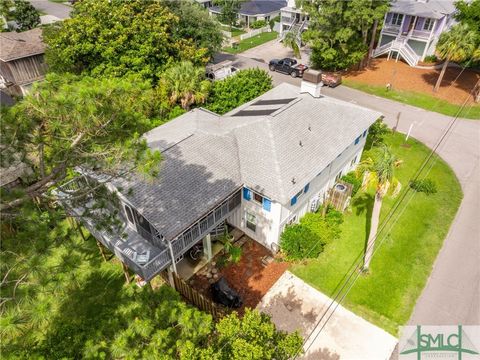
452 293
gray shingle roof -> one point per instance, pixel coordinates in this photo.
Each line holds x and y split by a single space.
256 7
15 45
435 9
206 157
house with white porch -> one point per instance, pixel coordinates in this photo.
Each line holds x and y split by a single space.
254 10
411 29
257 168
292 19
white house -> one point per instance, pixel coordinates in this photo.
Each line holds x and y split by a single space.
258 167
292 19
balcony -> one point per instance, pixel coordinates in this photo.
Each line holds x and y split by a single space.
420 34
144 253
391 29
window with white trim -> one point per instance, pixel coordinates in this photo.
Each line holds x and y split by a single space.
396 19
251 221
428 24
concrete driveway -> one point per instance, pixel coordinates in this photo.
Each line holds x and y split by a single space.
294 305
275 50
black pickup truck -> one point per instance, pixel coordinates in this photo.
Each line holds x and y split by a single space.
287 66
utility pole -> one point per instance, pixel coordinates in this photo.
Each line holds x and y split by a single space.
395 128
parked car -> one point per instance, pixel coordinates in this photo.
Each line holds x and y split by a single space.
331 79
287 66
223 294
220 71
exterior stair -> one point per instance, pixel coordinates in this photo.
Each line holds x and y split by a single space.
400 46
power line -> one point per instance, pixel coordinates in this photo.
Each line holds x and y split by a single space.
395 208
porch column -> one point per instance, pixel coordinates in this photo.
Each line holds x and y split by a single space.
170 277
207 247
174 266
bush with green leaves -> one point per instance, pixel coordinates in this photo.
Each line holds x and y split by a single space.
307 239
25 15
376 134
258 24
427 186
351 178
430 59
245 85
272 22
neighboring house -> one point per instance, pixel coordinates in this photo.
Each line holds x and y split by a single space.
255 10
292 19
21 60
205 3
259 168
411 29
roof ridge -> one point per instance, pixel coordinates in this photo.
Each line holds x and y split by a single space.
275 158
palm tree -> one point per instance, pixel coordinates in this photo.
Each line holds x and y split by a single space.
378 173
185 84
458 44
291 41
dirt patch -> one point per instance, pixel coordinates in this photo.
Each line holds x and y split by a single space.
249 277
404 77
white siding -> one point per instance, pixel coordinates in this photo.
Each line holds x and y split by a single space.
270 224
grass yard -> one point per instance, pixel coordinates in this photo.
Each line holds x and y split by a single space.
235 31
252 42
400 268
421 100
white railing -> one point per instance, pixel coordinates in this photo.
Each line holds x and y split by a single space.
255 32
392 29
421 34
401 46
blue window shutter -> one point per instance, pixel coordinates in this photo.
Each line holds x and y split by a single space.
247 194
365 133
293 201
357 140
267 204
306 188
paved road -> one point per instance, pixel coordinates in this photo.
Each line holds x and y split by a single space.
452 293
50 8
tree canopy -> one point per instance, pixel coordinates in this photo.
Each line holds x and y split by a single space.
338 30
236 90
229 12
118 38
67 122
195 23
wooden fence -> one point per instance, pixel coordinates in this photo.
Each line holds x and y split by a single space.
198 299
255 32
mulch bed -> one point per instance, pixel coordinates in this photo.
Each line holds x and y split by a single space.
249 277
404 77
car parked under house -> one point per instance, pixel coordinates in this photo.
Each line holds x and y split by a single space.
259 167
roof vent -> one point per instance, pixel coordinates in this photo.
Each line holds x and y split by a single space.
294 181
300 143
312 82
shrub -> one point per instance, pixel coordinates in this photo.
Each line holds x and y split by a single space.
376 134
430 59
258 24
307 239
351 178
25 15
245 85
426 186
272 22
300 242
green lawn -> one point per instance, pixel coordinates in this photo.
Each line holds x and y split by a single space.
252 42
400 268
420 100
234 31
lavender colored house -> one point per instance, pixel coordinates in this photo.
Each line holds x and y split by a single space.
412 27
